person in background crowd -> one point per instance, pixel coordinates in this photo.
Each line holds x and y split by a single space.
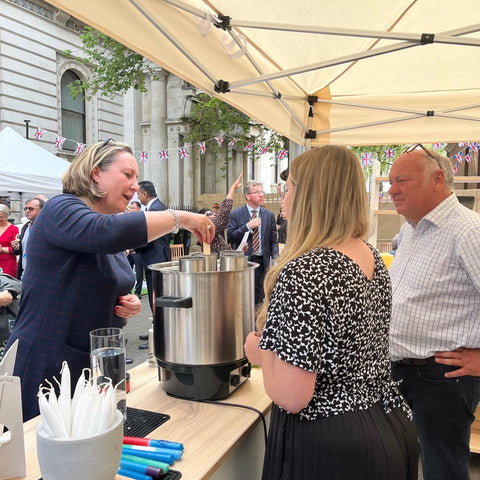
133 257
262 239
42 197
281 218
284 175
436 302
134 206
282 226
158 250
19 245
221 217
10 289
78 277
394 244
323 346
8 232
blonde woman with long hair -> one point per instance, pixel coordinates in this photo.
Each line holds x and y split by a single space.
323 346
78 276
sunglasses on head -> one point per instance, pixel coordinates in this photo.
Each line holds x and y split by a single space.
109 139
411 148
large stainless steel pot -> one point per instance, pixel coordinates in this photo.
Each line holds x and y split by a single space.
202 317
201 320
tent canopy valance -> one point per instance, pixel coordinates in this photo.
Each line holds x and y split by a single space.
27 168
316 71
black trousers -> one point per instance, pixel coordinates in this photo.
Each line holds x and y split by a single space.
259 276
443 410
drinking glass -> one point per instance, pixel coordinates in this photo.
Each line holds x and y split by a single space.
107 361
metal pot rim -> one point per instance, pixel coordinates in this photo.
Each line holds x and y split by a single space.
172 267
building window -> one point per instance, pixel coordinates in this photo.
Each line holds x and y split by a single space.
73 113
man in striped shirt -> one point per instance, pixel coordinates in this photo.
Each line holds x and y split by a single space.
436 307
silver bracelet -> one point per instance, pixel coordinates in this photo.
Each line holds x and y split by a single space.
177 220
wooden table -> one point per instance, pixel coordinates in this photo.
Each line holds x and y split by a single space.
214 436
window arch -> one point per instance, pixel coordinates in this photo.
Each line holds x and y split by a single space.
73 113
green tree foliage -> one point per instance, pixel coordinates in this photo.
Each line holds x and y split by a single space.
211 116
115 68
379 152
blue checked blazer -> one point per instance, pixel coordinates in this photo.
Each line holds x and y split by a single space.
77 269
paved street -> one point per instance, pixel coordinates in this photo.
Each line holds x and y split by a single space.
136 326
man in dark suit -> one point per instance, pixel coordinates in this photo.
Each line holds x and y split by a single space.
262 238
158 250
32 209
133 257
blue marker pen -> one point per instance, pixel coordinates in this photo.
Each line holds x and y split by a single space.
177 454
166 444
135 475
159 457
153 472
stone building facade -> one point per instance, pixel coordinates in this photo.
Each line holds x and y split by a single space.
34 72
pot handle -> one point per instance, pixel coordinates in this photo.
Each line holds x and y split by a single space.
174 302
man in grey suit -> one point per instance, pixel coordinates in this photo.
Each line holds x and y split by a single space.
158 250
262 238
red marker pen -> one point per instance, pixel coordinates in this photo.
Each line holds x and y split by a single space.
148 442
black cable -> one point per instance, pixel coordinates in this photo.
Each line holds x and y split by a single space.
260 414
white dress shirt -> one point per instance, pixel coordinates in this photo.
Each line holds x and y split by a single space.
436 283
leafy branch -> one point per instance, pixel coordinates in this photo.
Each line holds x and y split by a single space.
378 152
115 68
210 117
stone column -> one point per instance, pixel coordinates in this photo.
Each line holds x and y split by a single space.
175 164
159 168
237 166
189 175
197 176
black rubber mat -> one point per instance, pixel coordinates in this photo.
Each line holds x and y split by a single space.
142 422
171 475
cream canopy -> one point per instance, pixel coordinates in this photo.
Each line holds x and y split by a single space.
28 168
317 71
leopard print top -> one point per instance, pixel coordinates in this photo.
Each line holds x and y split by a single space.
327 317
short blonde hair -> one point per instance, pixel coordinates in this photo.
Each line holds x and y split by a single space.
77 180
4 209
329 206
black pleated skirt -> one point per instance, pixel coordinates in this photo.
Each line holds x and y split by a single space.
365 445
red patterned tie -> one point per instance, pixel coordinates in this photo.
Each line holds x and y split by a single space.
255 235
